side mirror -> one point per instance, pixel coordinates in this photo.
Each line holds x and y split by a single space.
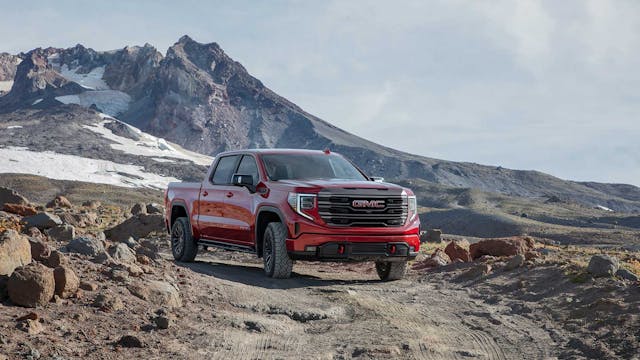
243 180
377 179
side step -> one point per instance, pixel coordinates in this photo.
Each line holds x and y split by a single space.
227 246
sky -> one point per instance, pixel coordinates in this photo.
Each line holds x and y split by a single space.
552 86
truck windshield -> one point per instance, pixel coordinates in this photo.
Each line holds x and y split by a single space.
310 166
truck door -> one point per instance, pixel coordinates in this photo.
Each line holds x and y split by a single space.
211 218
239 208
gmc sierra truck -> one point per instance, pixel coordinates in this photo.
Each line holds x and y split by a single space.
288 205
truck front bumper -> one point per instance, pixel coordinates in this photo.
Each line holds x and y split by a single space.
353 248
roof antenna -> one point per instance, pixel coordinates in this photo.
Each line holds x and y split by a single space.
327 151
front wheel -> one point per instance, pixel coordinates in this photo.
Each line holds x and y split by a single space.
277 263
183 245
388 271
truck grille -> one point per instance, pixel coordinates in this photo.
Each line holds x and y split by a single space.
370 210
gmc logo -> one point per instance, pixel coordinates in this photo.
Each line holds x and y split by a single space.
376 204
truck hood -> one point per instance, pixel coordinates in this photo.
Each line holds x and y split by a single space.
344 184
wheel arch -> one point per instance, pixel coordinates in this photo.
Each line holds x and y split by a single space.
265 215
179 209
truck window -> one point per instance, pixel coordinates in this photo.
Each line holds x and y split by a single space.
309 166
248 167
224 170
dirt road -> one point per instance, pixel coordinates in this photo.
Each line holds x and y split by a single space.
337 311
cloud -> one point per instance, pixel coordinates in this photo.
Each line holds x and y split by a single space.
547 85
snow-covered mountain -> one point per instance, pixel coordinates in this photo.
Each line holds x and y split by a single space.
73 143
198 97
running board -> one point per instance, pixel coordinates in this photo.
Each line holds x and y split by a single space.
227 246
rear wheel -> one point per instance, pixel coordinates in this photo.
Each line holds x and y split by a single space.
183 245
388 271
277 263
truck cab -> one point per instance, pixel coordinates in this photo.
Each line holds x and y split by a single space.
285 205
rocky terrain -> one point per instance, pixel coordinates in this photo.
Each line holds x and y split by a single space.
85 279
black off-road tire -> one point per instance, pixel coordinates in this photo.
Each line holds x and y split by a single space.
277 263
389 271
183 245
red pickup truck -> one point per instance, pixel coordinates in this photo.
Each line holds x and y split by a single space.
287 205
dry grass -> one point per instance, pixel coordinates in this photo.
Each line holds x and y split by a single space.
10 224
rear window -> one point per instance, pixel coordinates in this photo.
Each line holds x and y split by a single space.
224 170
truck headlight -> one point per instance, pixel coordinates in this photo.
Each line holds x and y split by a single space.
303 204
413 207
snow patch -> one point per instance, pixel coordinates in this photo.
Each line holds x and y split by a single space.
146 145
71 167
600 207
111 102
36 102
6 85
14 127
91 80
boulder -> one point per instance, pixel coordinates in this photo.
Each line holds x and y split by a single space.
476 271
603 265
154 208
62 233
86 246
31 285
626 275
59 202
9 196
56 259
148 248
458 249
122 253
15 251
138 208
515 262
67 282
130 341
107 302
431 235
157 292
20 209
88 286
30 326
42 221
81 220
137 226
3 287
131 243
502 246
437 259
92 204
40 251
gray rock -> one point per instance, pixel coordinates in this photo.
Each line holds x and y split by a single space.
138 208
102 258
157 292
137 226
9 196
122 253
42 221
154 208
162 321
130 242
63 233
603 265
515 262
86 246
626 274
15 251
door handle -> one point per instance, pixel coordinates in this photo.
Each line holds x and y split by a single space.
229 194
205 193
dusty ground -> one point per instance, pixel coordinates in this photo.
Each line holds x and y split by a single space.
230 310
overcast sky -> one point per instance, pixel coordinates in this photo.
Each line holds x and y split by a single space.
552 86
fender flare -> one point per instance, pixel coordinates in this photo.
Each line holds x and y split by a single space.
181 204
